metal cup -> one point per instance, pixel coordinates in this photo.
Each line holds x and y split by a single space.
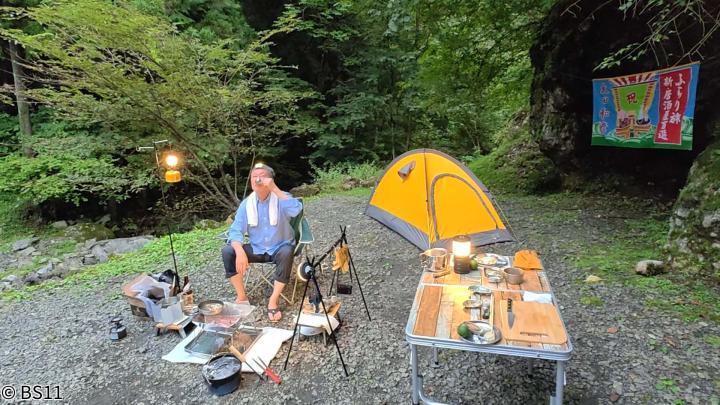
435 259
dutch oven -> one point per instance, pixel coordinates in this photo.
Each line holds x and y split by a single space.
222 373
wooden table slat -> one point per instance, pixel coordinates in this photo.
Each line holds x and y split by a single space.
459 315
426 324
444 321
531 281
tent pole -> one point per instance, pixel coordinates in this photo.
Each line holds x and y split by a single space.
431 225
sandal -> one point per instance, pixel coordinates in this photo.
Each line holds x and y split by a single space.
271 314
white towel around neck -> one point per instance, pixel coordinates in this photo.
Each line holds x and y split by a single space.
252 211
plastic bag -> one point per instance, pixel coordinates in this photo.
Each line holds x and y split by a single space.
151 292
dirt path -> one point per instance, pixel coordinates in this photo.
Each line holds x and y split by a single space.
61 337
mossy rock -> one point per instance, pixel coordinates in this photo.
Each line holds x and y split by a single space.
207 224
305 190
86 231
694 238
516 165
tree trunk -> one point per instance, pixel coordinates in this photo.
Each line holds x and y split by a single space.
22 105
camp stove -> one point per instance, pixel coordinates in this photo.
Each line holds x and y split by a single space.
117 330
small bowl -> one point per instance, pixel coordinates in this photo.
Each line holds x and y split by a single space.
472 304
494 276
479 289
210 307
513 275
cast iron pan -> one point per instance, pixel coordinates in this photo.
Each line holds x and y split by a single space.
222 373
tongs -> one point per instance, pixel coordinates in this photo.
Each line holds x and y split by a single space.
266 372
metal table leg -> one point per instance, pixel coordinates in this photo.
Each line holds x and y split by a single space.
417 380
414 374
557 399
435 363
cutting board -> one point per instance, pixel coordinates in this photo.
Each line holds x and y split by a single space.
535 322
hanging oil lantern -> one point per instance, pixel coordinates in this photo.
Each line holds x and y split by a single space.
172 175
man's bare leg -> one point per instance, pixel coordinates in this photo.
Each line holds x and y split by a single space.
237 283
274 300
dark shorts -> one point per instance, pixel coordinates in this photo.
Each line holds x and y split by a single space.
283 259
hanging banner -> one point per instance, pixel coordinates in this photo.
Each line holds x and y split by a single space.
646 110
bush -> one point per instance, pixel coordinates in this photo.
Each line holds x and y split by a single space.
345 176
516 166
70 162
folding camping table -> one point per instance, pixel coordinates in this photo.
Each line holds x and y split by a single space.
438 309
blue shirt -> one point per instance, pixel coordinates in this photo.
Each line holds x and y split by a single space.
265 238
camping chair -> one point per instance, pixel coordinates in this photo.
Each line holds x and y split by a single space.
263 274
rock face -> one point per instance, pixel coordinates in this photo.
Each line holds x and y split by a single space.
694 238
575 37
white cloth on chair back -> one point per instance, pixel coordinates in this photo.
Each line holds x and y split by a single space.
252 211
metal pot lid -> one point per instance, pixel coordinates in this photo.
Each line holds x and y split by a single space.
221 368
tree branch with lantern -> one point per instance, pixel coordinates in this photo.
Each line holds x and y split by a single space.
110 64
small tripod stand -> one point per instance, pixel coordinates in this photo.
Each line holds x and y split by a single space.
307 272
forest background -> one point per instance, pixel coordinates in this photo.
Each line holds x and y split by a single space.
304 86
331 90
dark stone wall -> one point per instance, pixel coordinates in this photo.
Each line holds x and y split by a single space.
694 237
574 38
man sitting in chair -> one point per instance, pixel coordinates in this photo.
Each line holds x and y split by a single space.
265 216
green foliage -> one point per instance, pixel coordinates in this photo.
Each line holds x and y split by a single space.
615 261
663 18
475 70
393 76
591 300
413 74
14 227
66 178
358 192
334 177
516 166
133 72
9 131
204 20
72 162
713 341
667 384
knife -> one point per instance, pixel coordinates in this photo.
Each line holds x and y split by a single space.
511 315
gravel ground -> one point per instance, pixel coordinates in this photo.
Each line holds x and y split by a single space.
623 350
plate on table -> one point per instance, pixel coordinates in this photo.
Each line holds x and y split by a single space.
481 333
487 260
492 259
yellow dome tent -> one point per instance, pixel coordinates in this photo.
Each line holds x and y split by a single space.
429 197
